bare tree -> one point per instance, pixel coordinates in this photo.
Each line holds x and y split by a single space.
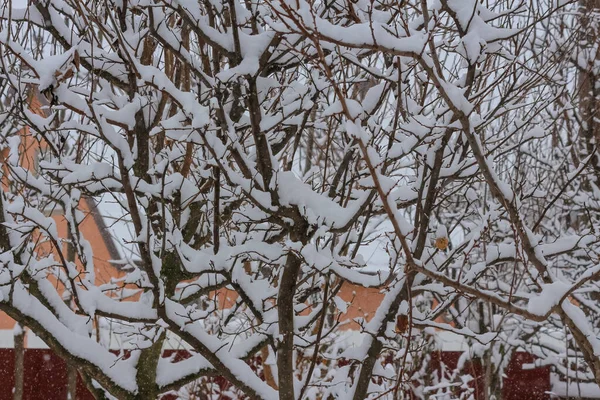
263 150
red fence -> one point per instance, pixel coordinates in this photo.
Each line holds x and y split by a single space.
518 383
46 377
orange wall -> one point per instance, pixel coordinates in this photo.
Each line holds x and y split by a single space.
363 301
104 270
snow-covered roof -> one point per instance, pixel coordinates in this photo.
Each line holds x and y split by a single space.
117 227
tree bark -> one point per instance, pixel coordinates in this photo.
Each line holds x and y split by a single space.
71 382
19 347
285 349
589 95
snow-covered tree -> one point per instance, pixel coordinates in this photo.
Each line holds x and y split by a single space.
271 152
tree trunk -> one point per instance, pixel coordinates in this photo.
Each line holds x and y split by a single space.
19 337
285 349
588 91
71 382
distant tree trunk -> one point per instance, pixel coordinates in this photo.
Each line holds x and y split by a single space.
71 369
19 337
492 373
588 85
589 106
493 377
71 382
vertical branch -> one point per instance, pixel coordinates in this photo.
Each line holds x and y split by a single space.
286 313
216 209
19 337
71 369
